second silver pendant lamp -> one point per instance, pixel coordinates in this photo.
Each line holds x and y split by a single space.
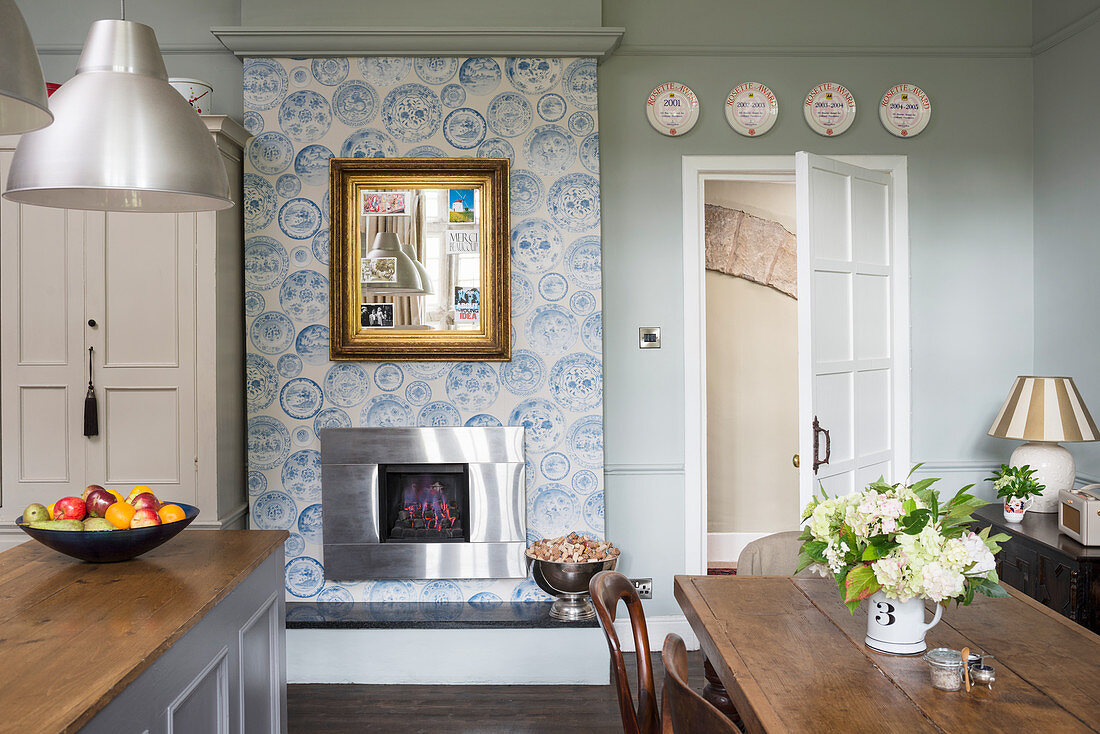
122 138
23 104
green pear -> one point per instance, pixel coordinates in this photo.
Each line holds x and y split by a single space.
69 525
35 512
97 524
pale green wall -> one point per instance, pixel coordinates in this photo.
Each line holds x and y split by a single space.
970 184
1067 199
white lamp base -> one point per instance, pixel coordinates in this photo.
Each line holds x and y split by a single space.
1054 468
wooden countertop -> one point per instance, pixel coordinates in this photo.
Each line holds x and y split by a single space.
73 635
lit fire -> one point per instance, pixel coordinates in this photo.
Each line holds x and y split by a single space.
430 505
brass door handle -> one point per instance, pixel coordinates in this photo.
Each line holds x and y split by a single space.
795 461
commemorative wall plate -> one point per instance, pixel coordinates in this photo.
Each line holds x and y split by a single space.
905 110
672 109
830 109
751 109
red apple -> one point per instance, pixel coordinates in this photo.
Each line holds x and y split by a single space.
88 490
69 508
144 518
97 502
145 500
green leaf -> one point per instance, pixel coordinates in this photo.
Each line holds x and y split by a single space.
915 521
805 560
913 470
875 551
815 549
860 583
988 588
923 484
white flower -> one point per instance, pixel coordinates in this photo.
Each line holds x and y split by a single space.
820 569
940 582
979 554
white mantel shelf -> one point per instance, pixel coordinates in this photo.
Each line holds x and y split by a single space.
323 41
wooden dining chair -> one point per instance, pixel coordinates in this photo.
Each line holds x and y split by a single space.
607 589
684 710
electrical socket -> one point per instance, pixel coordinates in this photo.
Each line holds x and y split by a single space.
644 587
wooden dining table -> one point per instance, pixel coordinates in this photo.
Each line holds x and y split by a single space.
793 659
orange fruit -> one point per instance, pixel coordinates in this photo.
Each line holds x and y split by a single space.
49 509
138 490
118 497
171 513
119 514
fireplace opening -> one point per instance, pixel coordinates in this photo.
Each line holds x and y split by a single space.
424 503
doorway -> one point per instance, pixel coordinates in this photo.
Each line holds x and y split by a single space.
751 343
853 324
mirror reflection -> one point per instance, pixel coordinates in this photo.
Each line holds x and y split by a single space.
420 259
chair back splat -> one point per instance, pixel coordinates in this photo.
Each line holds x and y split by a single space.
607 589
685 711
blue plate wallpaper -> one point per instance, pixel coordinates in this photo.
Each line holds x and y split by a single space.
540 113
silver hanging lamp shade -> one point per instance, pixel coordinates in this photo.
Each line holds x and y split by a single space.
122 138
425 279
406 277
23 104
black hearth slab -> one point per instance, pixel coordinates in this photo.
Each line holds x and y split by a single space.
414 615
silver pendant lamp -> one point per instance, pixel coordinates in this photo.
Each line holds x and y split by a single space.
407 279
425 279
23 105
122 138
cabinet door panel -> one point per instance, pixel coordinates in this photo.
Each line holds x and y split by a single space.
42 362
142 436
1054 588
141 313
44 301
44 433
1018 565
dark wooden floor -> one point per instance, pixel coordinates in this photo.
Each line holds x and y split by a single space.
347 709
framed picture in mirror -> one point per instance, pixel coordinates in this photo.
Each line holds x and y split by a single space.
420 267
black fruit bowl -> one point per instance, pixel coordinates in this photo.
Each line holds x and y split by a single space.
110 546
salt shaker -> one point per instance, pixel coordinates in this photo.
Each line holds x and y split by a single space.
982 673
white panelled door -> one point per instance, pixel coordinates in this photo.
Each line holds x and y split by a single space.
853 329
41 360
141 292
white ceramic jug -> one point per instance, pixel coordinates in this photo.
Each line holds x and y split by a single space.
898 627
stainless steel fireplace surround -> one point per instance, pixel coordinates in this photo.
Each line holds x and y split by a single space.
475 535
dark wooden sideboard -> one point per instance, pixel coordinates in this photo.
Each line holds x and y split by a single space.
1051 568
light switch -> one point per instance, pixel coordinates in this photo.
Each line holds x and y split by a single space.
649 337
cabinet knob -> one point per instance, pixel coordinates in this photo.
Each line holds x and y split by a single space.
796 461
92 323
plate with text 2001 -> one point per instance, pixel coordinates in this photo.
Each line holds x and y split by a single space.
672 109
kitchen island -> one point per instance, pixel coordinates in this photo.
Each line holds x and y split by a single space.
189 637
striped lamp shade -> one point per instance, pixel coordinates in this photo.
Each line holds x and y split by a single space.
1044 409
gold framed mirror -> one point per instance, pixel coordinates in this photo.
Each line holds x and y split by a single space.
419 266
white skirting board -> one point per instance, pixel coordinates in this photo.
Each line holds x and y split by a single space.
726 547
657 627
448 656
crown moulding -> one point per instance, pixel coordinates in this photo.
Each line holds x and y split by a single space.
318 42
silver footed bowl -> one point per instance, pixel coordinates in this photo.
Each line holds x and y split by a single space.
569 583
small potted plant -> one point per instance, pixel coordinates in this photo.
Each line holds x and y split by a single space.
1015 485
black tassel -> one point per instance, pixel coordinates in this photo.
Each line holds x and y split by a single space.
91 405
